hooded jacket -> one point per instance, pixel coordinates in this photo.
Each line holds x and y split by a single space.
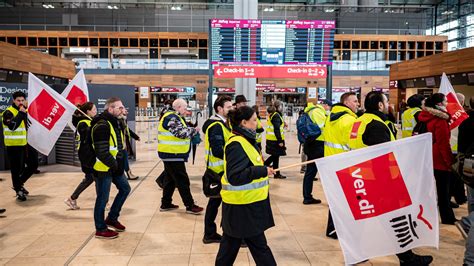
83 130
437 123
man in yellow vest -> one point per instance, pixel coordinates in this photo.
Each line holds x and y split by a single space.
18 151
336 135
217 133
371 129
410 116
314 148
174 143
107 140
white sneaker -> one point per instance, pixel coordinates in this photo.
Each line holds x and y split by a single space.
72 204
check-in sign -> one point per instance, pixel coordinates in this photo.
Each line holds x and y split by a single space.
270 72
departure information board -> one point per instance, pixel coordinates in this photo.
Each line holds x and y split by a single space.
271 42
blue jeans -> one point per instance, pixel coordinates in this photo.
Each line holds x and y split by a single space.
468 225
311 171
102 186
470 199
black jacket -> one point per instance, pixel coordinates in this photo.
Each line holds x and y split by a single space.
101 136
13 122
244 220
376 132
216 136
273 147
83 130
466 133
128 138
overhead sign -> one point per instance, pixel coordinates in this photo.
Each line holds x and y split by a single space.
269 72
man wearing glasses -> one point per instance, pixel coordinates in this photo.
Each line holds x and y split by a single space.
107 140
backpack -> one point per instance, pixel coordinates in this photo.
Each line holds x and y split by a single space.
306 128
86 150
420 128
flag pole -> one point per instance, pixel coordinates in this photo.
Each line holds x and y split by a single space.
83 113
295 165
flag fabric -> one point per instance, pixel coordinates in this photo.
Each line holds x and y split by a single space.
454 108
382 198
48 114
76 91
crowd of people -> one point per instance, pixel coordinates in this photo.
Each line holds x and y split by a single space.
237 175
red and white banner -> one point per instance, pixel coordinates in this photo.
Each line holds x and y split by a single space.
48 114
77 92
454 108
270 72
382 198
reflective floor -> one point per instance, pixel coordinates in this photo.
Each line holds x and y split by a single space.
43 231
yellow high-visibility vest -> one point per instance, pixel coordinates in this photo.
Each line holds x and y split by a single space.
336 133
99 166
318 116
255 191
359 127
213 163
15 137
167 142
259 135
78 136
409 121
271 129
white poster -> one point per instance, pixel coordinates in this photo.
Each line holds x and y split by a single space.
144 92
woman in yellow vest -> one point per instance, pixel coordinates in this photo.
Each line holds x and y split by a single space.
410 116
260 128
246 211
275 137
82 124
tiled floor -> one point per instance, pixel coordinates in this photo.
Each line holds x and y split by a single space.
42 230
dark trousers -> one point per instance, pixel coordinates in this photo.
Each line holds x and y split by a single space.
229 248
330 229
126 165
161 179
313 151
273 161
102 186
85 183
19 156
176 177
210 227
442 186
457 189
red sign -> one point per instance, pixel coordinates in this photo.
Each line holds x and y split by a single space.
265 87
269 72
230 90
46 110
374 187
172 89
76 96
284 90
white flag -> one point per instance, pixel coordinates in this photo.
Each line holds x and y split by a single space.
48 114
382 198
76 91
454 108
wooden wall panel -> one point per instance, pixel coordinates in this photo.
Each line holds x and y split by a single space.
450 62
16 58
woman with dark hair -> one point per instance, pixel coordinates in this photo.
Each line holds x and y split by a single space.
82 124
410 115
275 137
436 118
246 211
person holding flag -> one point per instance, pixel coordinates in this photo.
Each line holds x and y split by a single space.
371 129
82 123
14 121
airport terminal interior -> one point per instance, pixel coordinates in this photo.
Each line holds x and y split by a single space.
283 57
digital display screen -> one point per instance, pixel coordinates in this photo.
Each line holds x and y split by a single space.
271 42
430 82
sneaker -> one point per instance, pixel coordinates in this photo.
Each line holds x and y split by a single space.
116 225
312 201
106 234
170 207
215 238
461 229
26 192
72 204
2 211
194 209
279 176
20 196
332 235
417 260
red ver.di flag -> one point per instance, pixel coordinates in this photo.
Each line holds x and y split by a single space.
454 108
382 198
48 114
77 92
